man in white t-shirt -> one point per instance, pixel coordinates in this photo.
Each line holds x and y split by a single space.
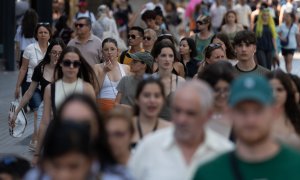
243 12
217 12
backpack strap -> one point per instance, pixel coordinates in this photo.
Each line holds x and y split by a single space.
122 56
234 166
53 98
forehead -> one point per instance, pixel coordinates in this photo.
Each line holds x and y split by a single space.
134 32
187 98
42 28
166 50
81 21
56 47
71 55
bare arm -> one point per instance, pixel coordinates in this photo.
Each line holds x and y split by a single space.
118 98
180 69
27 96
281 16
89 90
22 73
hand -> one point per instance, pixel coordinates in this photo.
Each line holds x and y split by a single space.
17 93
35 160
12 119
107 66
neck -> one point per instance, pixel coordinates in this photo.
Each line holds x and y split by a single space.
204 33
246 65
219 110
84 37
135 49
288 23
146 120
139 74
192 143
52 65
148 48
186 58
69 80
258 152
43 44
164 73
123 158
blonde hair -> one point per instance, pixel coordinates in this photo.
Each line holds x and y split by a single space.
259 25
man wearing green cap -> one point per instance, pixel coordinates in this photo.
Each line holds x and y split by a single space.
257 155
140 66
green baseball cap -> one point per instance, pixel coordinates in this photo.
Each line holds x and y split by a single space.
144 57
251 87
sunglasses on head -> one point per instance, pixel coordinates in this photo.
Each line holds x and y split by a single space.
147 38
201 22
132 36
68 63
79 25
44 23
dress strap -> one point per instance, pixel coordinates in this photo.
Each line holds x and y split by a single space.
122 70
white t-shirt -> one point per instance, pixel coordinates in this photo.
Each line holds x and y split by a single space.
86 14
217 14
292 36
24 42
34 54
243 14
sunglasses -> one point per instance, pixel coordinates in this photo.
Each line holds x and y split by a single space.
68 63
79 25
147 38
201 22
132 36
117 134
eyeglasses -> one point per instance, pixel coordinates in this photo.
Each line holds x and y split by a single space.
132 36
201 22
117 134
56 53
68 63
147 38
79 25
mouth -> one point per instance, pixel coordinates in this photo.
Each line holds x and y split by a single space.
152 108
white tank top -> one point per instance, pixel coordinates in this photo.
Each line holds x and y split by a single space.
109 88
63 90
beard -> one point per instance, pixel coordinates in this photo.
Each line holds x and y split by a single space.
252 138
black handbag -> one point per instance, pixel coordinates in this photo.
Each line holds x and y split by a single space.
286 41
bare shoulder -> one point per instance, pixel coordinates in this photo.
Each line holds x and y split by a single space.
181 79
163 123
126 68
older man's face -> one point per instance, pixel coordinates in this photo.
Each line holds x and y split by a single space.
187 115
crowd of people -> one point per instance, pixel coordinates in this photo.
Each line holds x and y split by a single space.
195 95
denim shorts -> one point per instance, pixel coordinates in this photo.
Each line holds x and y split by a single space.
36 98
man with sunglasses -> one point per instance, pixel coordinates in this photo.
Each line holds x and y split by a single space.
245 48
135 38
203 35
149 39
89 45
174 153
257 156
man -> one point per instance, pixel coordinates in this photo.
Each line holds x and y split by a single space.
174 153
88 44
243 12
135 38
149 39
217 12
245 47
257 155
203 37
83 12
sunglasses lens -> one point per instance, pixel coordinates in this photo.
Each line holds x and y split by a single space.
79 25
76 64
131 36
67 63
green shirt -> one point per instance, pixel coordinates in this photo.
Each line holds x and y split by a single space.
285 165
201 44
127 86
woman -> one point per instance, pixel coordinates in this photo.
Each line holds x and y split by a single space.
109 73
67 152
72 75
286 128
164 54
187 51
231 27
141 66
32 55
296 87
149 98
42 75
219 76
178 68
213 53
288 32
265 31
120 131
223 40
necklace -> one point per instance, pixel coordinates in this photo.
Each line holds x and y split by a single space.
140 127
62 83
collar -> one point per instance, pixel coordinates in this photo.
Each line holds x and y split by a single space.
236 66
37 47
90 39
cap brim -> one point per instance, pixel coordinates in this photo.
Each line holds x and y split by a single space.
249 96
133 56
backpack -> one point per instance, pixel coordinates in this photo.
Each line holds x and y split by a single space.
122 56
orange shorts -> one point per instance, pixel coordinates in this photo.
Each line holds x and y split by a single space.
105 105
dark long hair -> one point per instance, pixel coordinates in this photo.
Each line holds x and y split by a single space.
229 49
141 87
28 23
192 46
56 41
100 144
165 43
86 72
291 109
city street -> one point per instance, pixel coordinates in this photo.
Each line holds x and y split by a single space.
18 146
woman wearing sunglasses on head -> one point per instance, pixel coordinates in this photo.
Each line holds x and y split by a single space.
42 75
213 53
164 54
109 73
72 75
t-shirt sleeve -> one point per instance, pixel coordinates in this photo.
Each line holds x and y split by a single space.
18 35
121 85
37 74
26 53
249 10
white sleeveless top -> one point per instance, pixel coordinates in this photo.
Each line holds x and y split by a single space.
109 88
63 90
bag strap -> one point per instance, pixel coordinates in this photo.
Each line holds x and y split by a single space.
288 34
234 166
53 98
122 56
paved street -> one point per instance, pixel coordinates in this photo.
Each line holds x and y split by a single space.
18 146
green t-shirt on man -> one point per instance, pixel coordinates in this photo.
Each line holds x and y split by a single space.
285 165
